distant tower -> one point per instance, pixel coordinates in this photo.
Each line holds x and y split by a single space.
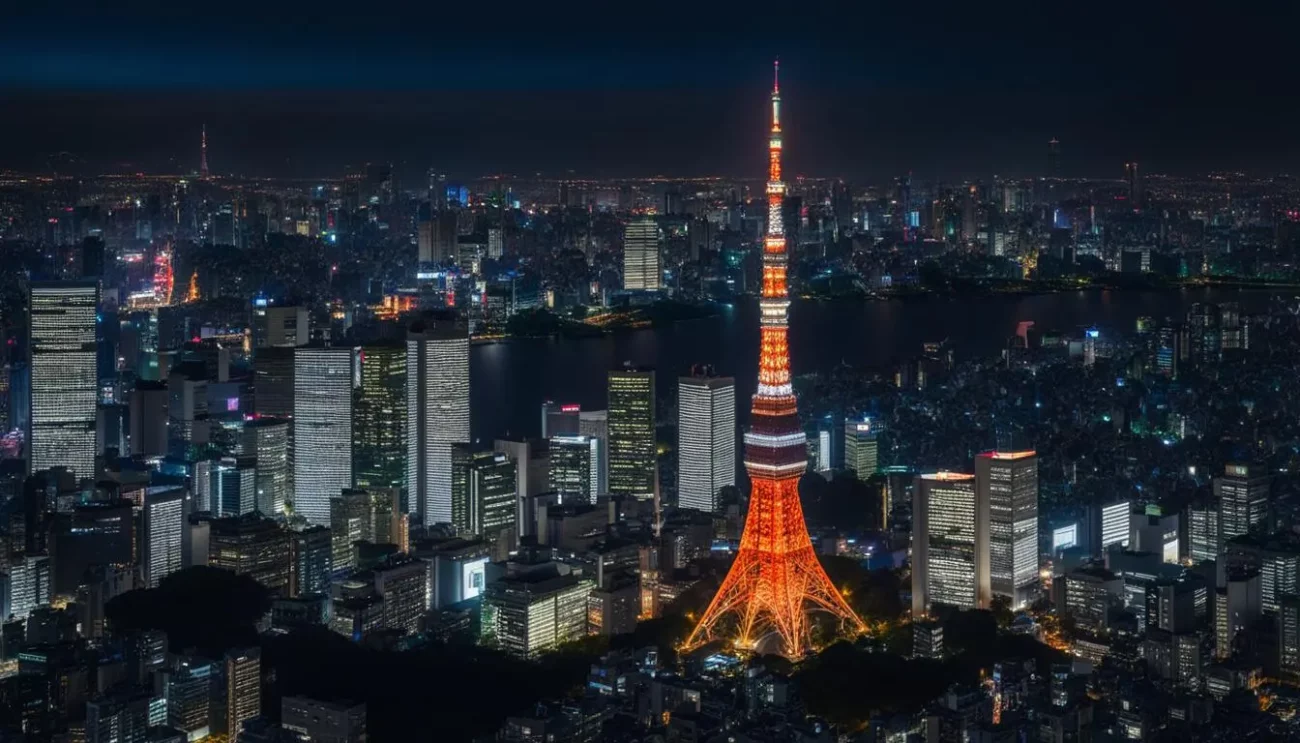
203 153
1133 175
1054 158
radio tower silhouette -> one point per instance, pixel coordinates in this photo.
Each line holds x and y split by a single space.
775 581
203 153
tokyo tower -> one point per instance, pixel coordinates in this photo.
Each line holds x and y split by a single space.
775 581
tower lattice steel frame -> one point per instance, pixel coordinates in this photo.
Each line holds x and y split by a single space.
776 579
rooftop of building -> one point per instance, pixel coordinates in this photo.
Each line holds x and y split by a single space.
948 476
1025 454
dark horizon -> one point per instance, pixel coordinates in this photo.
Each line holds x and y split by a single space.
948 94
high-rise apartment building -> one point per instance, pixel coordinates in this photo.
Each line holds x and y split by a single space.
484 492
164 519
437 412
861 448
379 418
322 428
706 440
243 687
266 440
641 270
950 543
64 379
632 433
1008 482
1242 492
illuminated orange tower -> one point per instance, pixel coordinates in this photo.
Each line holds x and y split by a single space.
776 580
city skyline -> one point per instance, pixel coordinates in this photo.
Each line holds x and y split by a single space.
552 457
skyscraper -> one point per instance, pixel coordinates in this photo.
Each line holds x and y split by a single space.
64 380
950 543
775 580
1242 491
437 412
641 271
573 469
379 416
632 432
483 492
861 448
273 382
322 387
1008 482
164 520
706 440
266 440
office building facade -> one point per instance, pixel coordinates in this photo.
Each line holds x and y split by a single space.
950 543
64 385
706 440
641 269
484 495
632 453
861 448
573 468
165 521
1242 492
322 428
1008 482
437 413
379 415
266 440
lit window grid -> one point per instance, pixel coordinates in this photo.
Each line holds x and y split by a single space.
437 418
631 434
64 380
706 451
322 429
641 264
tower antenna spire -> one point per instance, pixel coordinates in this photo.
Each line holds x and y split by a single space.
203 152
776 75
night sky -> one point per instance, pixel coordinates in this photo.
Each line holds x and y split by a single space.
944 90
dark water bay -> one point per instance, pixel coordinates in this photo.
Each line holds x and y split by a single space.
510 380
